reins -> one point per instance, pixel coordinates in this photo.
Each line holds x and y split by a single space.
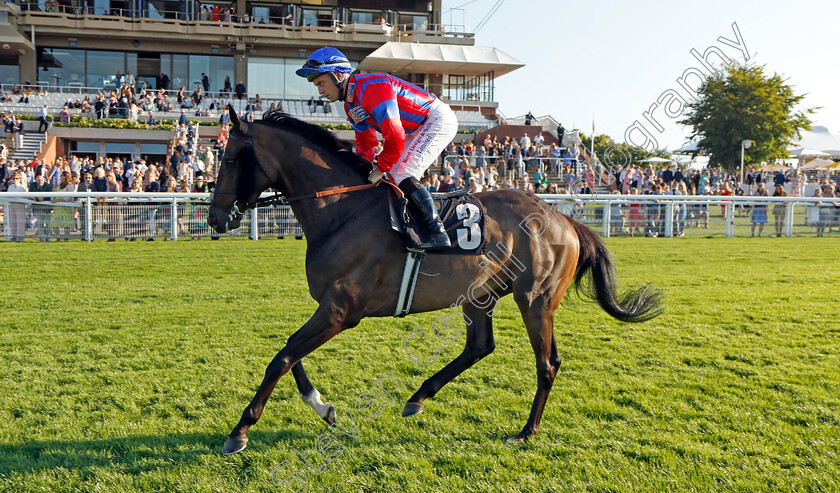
278 199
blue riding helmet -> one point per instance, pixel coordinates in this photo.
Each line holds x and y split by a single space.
324 60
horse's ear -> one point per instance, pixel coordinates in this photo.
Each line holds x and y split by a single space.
238 124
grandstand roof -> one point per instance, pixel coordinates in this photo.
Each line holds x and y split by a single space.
17 43
439 59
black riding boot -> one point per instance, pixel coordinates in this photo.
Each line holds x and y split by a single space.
425 205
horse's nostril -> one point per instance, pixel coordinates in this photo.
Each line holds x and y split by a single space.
211 220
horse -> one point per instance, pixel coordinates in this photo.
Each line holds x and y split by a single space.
355 261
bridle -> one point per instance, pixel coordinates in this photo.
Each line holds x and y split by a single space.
237 210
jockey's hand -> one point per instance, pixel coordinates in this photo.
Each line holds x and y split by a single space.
375 175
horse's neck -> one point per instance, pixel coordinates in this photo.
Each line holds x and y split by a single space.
313 170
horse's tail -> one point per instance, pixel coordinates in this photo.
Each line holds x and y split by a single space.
637 305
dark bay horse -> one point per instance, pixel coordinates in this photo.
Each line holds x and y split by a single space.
355 261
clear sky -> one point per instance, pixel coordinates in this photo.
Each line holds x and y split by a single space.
612 60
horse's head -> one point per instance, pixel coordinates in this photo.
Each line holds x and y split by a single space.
241 179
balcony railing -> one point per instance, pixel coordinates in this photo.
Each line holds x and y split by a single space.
32 12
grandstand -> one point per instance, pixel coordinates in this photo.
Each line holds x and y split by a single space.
62 50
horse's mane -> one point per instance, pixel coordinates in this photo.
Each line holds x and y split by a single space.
319 136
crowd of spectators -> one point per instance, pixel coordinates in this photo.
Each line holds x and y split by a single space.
58 217
530 165
508 163
216 13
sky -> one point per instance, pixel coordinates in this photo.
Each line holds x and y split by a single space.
611 60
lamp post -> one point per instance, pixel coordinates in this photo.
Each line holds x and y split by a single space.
745 144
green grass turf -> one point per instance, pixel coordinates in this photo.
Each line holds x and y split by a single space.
126 364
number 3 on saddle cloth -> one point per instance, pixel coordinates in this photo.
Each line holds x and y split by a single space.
462 215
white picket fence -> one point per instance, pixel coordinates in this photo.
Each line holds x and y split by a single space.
132 216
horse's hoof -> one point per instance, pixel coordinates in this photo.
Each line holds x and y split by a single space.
518 439
412 409
235 445
330 417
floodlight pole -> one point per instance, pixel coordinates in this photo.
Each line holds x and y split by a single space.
745 144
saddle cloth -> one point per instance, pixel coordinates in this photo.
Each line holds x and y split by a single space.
462 215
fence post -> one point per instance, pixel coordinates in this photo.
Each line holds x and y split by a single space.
730 220
669 219
88 219
789 219
255 225
605 228
173 220
7 220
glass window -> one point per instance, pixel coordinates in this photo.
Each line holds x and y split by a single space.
199 64
219 68
308 17
102 68
216 68
153 148
9 73
361 17
119 147
260 15
180 73
416 22
100 7
266 76
61 66
83 146
316 17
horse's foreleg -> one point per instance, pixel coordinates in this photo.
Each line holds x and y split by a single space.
311 396
479 344
321 327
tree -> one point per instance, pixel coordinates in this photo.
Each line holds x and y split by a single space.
742 103
614 154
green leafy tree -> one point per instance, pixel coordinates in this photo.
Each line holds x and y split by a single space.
619 154
738 103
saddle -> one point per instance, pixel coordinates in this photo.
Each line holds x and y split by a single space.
463 219
462 215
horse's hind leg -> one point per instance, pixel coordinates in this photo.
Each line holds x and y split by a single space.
538 314
479 344
311 396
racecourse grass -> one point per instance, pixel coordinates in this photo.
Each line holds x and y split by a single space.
126 364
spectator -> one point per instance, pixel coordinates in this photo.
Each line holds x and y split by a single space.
64 116
19 134
528 118
227 87
240 90
759 212
205 82
87 184
64 216
779 208
42 118
122 108
17 210
39 210
196 97
5 175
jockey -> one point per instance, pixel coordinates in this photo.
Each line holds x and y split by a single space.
415 126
